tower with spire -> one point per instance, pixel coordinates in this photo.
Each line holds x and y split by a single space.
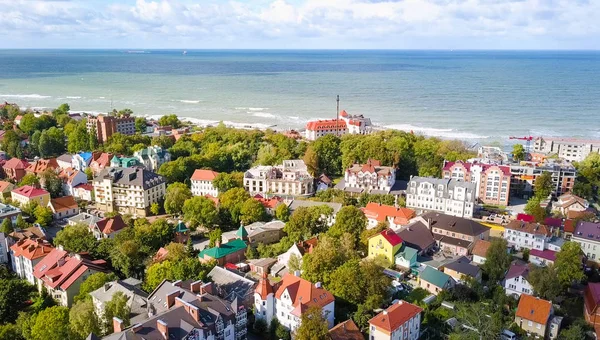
264 300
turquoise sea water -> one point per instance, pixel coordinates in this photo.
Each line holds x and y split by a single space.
478 95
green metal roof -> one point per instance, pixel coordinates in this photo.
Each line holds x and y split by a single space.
434 276
224 250
242 232
407 252
181 228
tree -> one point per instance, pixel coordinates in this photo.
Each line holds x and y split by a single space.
170 120
534 208
7 226
259 327
30 179
574 332
93 142
29 124
497 260
214 237
14 294
476 316
93 282
117 307
52 142
282 212
526 255
568 264
294 263
543 186
313 325
306 222
140 125
324 156
153 235
79 139
43 216
232 201
278 331
51 324
225 181
200 211
329 254
77 239
52 183
155 209
89 173
175 197
34 143
252 211
544 282
176 252
10 332
186 269
21 224
518 152
350 220
368 233
83 319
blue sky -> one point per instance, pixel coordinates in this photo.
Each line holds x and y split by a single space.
292 24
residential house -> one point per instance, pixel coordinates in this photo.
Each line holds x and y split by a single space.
261 266
591 301
346 330
258 232
587 234
230 252
515 280
61 274
27 253
323 183
536 317
395 217
290 178
152 157
10 212
41 165
569 228
406 259
386 244
128 190
330 219
86 219
492 182
5 189
136 298
64 161
370 177
542 257
81 161
27 194
480 251
14 169
418 236
570 202
270 204
108 227
296 250
291 300
454 235
63 207
526 235
202 183
434 281
100 162
124 162
447 196
84 192
71 178
231 286
400 321
462 269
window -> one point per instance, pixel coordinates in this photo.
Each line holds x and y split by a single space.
529 323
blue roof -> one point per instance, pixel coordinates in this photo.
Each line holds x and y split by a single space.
85 155
434 277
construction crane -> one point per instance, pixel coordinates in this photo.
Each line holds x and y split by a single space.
528 139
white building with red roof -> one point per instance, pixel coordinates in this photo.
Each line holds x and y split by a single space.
291 299
400 321
353 124
202 183
27 253
395 216
371 177
26 194
71 178
108 227
492 181
63 207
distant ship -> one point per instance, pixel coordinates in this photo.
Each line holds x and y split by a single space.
136 52
184 52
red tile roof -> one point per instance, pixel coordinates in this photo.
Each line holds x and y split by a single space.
569 226
346 330
29 191
264 288
110 224
303 293
31 249
214 199
204 175
448 166
42 165
84 186
545 254
391 237
269 203
481 247
395 316
591 297
530 228
67 175
65 203
4 185
17 164
59 269
381 212
328 124
525 217
534 309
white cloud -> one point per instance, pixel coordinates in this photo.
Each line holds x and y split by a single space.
300 23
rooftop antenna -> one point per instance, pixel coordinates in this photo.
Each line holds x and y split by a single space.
337 121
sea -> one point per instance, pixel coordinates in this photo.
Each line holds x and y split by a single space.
475 96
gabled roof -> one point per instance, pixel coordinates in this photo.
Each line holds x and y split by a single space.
587 230
382 212
391 237
303 293
346 330
455 224
29 233
569 226
327 124
204 175
534 309
434 276
463 266
5 185
110 225
395 316
68 175
545 254
417 236
224 250
31 249
64 203
29 191
103 160
592 297
59 269
42 165
530 228
481 247
86 156
16 164
517 269
553 222
568 199
269 203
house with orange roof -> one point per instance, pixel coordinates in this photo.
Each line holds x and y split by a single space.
41 165
520 235
71 178
27 194
371 177
293 297
27 253
480 251
346 123
100 161
63 207
536 317
396 217
569 202
270 204
5 189
401 320
346 330
202 183
108 227
61 274
14 169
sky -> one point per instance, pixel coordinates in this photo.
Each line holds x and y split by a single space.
301 24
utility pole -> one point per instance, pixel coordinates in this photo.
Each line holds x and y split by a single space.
337 121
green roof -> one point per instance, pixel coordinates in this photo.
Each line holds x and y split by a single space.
407 252
434 277
224 250
181 228
242 232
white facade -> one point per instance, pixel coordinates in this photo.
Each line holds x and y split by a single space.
72 180
590 247
290 178
478 259
447 196
23 267
284 308
203 188
152 157
3 249
522 239
572 150
353 124
410 330
80 163
517 285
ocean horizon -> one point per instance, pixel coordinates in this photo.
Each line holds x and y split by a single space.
476 95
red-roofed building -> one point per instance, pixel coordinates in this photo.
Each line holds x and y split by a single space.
270 204
569 228
385 244
72 178
108 227
536 317
293 297
100 161
5 189
526 218
42 165
63 207
402 320
346 330
26 194
370 177
14 169
542 257
202 183
591 301
84 191
492 181
377 212
62 274
353 124
25 254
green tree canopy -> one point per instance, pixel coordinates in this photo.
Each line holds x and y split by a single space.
170 120
350 220
544 282
200 211
497 260
359 283
329 254
6 226
188 268
52 183
232 202
313 325
226 181
215 236
77 238
83 320
30 179
51 324
252 211
43 216
543 186
534 208
14 294
52 142
176 195
93 282
568 264
518 152
306 222
324 156
117 307
282 212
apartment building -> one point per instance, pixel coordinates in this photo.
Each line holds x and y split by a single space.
587 234
536 317
106 126
524 174
27 253
291 300
527 235
570 149
454 235
290 178
347 123
448 196
492 181
370 177
152 157
400 321
128 190
202 183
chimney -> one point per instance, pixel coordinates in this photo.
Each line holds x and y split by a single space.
162 328
176 283
207 288
117 325
60 262
194 312
195 286
385 312
297 273
60 247
318 285
106 286
170 299
218 243
136 328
